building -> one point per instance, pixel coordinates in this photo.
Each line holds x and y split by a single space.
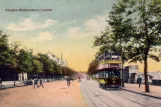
22 76
130 73
155 77
58 60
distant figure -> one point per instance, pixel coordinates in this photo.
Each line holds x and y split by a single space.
88 78
139 81
0 82
68 81
79 79
36 83
41 83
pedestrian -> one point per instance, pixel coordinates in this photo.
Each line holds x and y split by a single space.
0 82
79 79
41 83
36 83
68 81
139 81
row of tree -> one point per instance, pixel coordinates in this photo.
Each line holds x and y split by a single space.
15 59
134 30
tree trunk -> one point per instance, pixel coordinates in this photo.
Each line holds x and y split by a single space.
22 76
123 75
14 81
146 75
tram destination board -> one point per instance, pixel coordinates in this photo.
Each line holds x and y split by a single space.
103 66
109 56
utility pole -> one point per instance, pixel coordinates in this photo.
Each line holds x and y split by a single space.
122 71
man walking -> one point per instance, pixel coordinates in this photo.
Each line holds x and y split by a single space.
68 81
41 83
139 81
36 83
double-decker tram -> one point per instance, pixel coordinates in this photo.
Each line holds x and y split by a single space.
109 70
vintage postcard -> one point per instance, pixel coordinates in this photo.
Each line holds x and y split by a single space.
80 53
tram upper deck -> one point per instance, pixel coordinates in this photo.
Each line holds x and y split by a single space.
109 61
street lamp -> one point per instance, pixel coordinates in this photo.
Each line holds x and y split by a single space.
122 70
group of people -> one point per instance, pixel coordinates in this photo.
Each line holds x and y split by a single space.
36 83
139 81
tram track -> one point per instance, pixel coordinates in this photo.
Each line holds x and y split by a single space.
147 102
121 97
135 101
107 105
105 101
109 99
132 100
129 99
90 99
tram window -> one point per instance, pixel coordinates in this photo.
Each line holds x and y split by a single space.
118 73
101 74
113 73
106 74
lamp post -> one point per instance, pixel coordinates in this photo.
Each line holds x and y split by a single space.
122 72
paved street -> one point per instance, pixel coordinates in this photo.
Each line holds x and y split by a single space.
97 97
55 94
81 94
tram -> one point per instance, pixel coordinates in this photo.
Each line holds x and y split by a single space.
109 70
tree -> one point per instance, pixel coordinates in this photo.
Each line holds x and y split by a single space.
47 64
92 67
67 71
147 35
4 49
25 61
5 56
135 31
37 66
56 68
13 58
145 18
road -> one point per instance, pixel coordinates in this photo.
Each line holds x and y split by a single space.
80 94
97 97
54 94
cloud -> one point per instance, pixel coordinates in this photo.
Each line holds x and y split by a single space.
91 27
43 36
96 24
75 32
28 24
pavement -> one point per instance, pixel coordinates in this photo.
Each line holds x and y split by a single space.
10 84
155 91
54 94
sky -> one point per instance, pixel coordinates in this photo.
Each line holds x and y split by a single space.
68 28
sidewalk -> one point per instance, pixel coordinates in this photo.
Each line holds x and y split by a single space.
54 94
155 91
10 84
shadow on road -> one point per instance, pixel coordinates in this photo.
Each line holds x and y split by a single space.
111 89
